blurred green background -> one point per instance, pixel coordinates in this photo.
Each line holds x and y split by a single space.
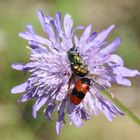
16 121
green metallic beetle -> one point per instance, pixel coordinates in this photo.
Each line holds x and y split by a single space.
77 63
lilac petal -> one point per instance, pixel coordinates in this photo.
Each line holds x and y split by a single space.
102 35
84 114
30 66
92 36
106 107
66 44
30 29
38 104
58 20
76 41
70 108
29 94
116 59
121 81
118 78
49 110
36 38
41 17
76 119
31 36
45 22
87 47
61 109
25 97
91 105
59 126
37 47
110 48
85 35
122 71
20 88
127 72
68 23
18 66
108 114
56 30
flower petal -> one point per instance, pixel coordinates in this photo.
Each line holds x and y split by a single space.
107 107
91 105
121 80
85 35
92 36
75 118
41 18
84 114
49 110
68 23
20 88
31 36
58 127
128 72
46 25
38 104
111 47
102 35
18 66
116 59
58 20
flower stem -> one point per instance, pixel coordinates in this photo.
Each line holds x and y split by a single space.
122 107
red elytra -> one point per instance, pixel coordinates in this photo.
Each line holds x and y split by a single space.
79 91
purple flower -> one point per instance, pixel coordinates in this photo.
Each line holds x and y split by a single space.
52 79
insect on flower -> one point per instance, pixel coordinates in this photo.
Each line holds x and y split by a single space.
82 85
63 63
77 64
80 90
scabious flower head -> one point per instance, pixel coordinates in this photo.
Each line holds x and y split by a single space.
52 80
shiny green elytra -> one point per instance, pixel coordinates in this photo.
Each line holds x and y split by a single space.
77 64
